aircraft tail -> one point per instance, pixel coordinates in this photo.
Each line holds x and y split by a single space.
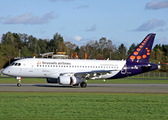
143 50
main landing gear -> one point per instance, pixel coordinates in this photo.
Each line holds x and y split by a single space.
19 81
83 85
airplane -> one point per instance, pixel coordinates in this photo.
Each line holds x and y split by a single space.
76 72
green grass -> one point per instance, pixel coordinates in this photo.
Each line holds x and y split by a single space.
24 80
133 80
75 106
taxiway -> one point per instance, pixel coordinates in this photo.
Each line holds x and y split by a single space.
102 88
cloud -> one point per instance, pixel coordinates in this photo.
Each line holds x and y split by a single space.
93 28
162 40
46 37
82 41
82 6
28 18
2 18
154 5
151 24
61 0
78 38
162 30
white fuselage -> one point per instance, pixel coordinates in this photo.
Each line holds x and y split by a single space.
53 68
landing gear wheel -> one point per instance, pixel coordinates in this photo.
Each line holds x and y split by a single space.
19 81
18 84
83 85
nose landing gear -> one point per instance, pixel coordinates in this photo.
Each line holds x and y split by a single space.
19 81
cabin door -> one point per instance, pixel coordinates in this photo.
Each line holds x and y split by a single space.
31 66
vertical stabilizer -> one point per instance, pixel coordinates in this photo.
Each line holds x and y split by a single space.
143 50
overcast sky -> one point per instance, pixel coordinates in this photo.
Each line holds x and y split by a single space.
79 21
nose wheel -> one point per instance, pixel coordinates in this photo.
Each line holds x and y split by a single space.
19 84
19 81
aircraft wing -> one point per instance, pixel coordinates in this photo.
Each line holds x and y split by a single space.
94 71
89 74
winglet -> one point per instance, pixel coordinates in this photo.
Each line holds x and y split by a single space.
143 50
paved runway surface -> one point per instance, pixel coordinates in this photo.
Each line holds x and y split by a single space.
104 88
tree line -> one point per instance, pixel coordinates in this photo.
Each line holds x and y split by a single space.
23 45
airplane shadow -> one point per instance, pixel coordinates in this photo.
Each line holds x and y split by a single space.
67 86
56 86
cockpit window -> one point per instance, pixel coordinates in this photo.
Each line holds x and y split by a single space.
16 64
12 64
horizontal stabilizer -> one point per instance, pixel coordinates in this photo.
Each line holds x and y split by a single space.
145 68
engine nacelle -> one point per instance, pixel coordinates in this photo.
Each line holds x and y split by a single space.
51 80
69 80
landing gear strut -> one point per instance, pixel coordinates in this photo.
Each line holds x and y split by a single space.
83 85
19 81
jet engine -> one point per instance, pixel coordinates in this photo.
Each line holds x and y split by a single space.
69 80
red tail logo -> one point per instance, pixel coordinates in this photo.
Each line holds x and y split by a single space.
38 63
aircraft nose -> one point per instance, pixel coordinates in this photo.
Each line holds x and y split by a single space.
5 71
